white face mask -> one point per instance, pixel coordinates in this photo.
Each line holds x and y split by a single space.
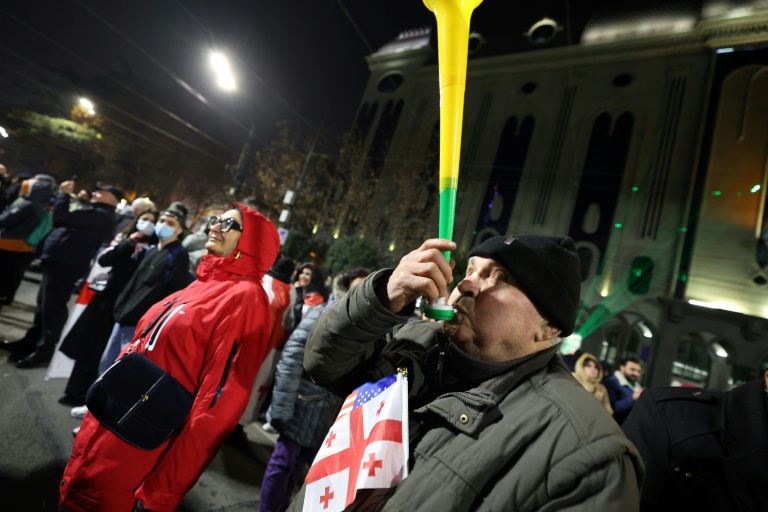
146 227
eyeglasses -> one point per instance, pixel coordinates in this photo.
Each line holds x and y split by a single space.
226 224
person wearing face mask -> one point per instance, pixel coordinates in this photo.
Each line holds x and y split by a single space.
211 337
163 271
87 338
130 212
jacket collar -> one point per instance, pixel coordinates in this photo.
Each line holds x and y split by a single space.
623 380
744 419
470 411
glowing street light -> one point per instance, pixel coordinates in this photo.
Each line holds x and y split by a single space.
224 76
87 105
3 133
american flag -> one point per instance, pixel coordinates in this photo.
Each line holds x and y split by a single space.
366 448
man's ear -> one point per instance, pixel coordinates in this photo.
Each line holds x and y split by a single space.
547 332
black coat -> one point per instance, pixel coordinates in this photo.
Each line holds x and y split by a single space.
88 337
703 451
153 280
77 235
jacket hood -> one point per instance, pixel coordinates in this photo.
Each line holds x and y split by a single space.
256 250
581 374
41 190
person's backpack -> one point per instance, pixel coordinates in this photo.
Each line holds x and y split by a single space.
170 263
42 228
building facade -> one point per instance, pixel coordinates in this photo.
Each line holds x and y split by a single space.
643 135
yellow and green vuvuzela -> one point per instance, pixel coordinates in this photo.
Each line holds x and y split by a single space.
452 43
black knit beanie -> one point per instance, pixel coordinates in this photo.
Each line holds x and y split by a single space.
545 268
282 270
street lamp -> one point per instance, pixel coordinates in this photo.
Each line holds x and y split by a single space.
87 105
224 76
3 133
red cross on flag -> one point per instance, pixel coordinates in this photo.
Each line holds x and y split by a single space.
366 448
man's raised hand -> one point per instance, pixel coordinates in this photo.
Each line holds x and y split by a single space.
420 272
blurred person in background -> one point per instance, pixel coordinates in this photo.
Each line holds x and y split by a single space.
277 284
129 213
211 337
17 223
163 270
301 411
195 245
624 388
66 256
86 340
589 373
308 291
703 450
5 184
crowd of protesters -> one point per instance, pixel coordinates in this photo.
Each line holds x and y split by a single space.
499 419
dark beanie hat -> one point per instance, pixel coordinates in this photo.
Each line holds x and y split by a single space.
179 211
546 268
282 270
112 190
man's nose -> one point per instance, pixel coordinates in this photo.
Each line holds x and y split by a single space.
468 287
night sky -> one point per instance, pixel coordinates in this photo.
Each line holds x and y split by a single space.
300 60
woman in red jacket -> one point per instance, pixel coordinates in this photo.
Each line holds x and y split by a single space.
213 342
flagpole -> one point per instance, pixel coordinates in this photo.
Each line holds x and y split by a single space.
402 376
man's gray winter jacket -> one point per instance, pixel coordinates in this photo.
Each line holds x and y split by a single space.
530 439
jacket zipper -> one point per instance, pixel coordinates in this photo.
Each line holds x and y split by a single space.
159 329
440 359
164 311
225 375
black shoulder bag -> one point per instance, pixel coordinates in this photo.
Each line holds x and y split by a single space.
138 401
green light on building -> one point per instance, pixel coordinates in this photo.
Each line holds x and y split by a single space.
755 189
617 225
717 193
635 189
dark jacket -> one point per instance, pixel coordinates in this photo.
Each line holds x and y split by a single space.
703 451
86 339
18 220
620 397
152 281
301 410
123 259
77 235
528 439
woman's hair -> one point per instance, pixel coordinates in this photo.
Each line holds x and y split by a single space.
317 282
131 228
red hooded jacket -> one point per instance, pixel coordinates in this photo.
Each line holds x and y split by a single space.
213 342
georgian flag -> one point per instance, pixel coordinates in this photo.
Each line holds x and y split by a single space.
366 448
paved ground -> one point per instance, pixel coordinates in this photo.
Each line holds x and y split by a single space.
36 437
